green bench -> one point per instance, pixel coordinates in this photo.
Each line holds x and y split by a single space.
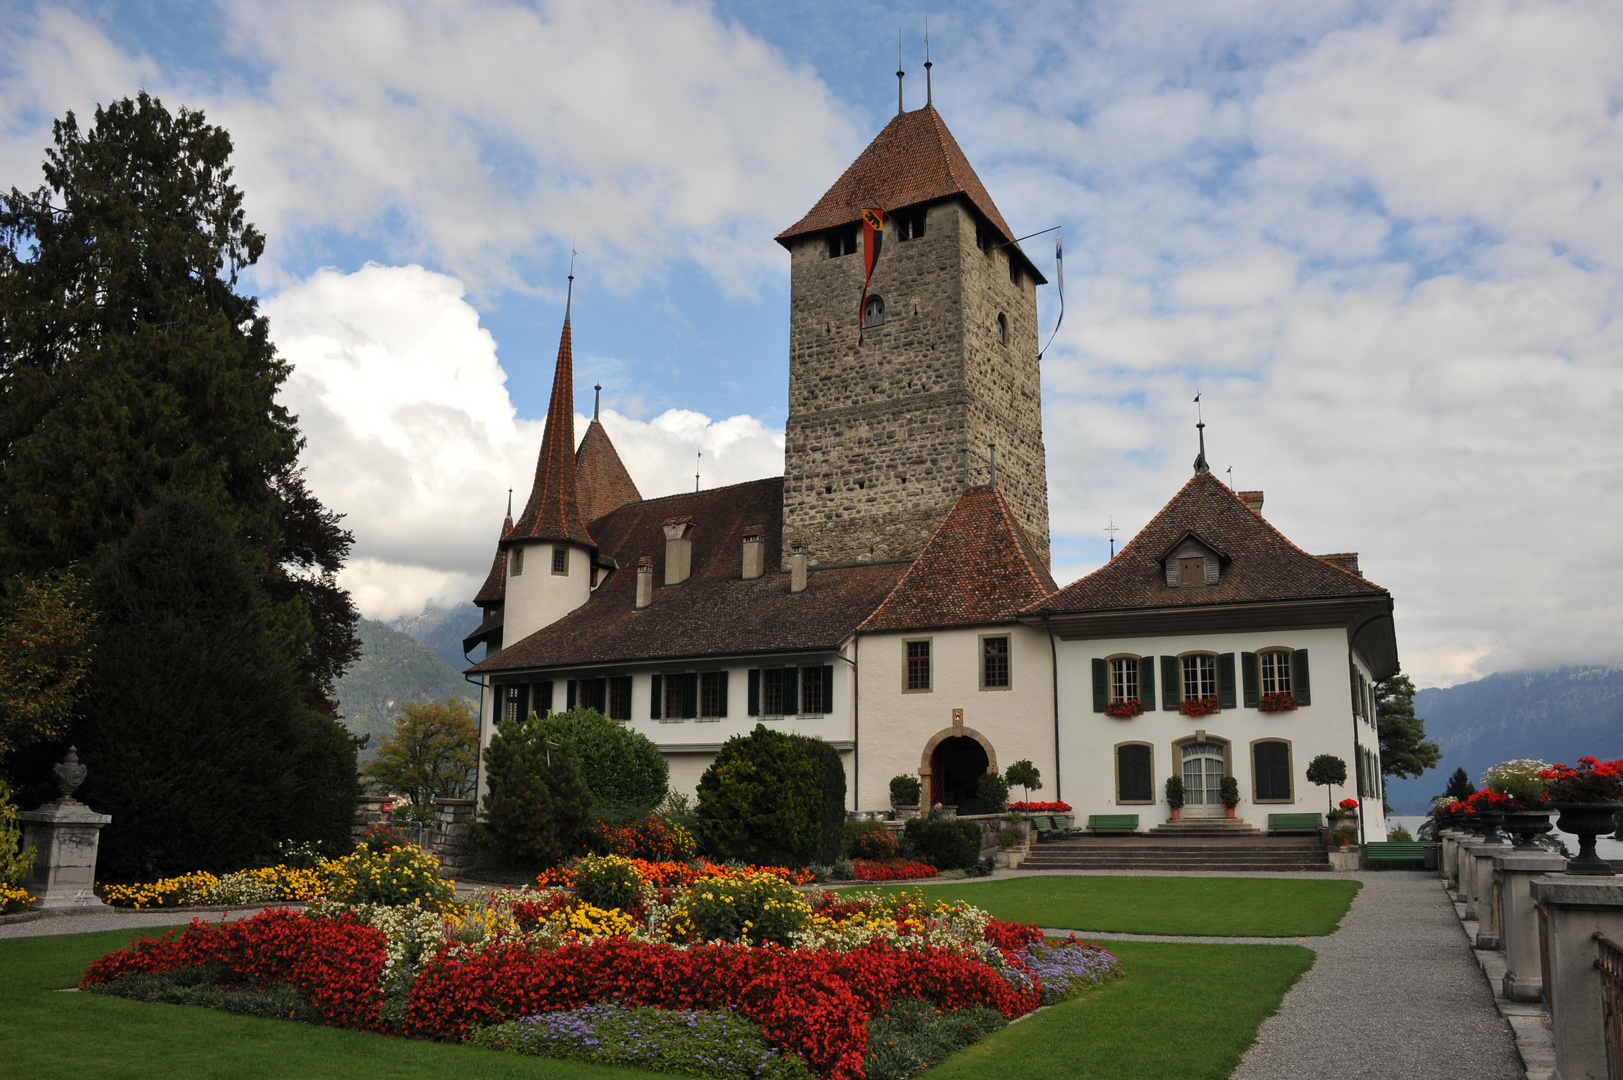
1046 826
1411 853
1113 823
1280 823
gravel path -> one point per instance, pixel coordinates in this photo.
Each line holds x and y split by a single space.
1394 993
109 919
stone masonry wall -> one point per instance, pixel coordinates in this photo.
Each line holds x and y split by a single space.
875 434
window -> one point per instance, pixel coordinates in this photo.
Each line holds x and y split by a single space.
513 703
620 698
813 691
674 687
842 242
994 663
712 686
985 238
1200 676
1276 672
1002 328
772 693
918 665
1271 762
1192 571
873 311
560 559
1134 780
1123 678
1014 273
515 562
909 224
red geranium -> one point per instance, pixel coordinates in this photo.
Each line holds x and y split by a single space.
1125 708
891 870
1280 701
1205 706
1591 781
1348 804
1041 807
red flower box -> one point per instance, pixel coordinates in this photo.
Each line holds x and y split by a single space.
1205 706
1125 709
1279 701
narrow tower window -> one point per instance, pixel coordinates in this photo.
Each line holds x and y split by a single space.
516 563
910 226
1002 328
842 242
560 559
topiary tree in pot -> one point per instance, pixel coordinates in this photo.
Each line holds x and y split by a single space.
1229 790
1175 796
1327 771
904 790
1024 773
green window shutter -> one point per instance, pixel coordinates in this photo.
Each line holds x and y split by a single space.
1101 685
755 692
690 695
1146 682
569 695
791 691
1301 689
543 697
1133 782
1250 679
1271 775
828 689
1171 683
1225 681
656 697
601 692
721 693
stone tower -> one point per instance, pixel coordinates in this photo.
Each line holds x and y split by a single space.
876 434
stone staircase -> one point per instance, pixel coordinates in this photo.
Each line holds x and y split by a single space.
1198 844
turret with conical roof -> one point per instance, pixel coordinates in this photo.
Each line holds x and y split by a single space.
877 431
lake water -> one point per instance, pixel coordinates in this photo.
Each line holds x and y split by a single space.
1606 847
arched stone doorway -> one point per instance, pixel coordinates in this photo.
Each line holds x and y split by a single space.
956 766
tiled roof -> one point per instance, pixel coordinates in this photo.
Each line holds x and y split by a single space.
601 479
913 160
494 590
715 612
1263 564
979 567
553 512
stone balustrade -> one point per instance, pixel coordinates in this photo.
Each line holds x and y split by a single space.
1513 874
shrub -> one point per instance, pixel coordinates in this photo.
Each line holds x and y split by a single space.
945 845
870 840
619 768
904 790
757 908
380 839
993 792
1230 791
1400 834
397 877
655 839
831 833
14 858
532 808
1175 792
763 801
607 882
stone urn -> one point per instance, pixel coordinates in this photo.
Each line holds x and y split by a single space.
1525 825
1587 820
1490 820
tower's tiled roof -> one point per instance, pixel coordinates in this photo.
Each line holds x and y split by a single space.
979 567
1262 564
601 478
553 512
715 612
494 590
913 160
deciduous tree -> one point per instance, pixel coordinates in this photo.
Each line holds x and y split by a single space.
431 754
44 656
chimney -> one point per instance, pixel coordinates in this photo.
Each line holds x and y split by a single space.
678 550
1347 560
797 570
1253 501
754 553
645 582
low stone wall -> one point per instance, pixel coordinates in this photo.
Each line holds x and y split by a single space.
446 837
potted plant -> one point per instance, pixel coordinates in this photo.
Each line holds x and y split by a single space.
1488 808
1230 792
1524 812
1278 701
904 793
1343 819
1125 708
1192 706
1587 796
1175 796
1327 771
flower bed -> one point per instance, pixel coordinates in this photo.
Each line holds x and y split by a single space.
673 874
13 898
807 971
377 871
891 870
1041 807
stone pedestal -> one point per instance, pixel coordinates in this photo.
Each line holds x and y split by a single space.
449 840
1482 895
1466 891
65 835
1572 911
1344 858
1513 875
1451 854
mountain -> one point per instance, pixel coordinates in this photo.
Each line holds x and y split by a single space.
442 630
395 670
1557 715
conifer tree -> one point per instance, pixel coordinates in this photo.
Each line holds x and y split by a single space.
534 801
1405 750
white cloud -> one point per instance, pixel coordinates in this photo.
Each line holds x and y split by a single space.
411 434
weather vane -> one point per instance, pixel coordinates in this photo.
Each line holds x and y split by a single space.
1111 530
696 462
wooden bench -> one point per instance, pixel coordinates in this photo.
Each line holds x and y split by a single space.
1281 823
1113 823
1409 852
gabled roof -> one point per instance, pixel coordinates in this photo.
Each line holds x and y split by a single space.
601 479
1263 564
1191 534
553 512
715 612
494 590
978 567
913 160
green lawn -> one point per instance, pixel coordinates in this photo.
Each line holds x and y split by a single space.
1182 1012
1209 907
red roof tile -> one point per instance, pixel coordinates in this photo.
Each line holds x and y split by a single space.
913 160
553 512
1262 563
600 476
978 567
494 590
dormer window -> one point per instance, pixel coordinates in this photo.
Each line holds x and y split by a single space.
1192 563
1192 571
873 311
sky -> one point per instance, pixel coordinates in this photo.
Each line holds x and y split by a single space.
1384 242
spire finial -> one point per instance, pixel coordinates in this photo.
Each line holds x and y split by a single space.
509 504
597 399
1201 468
697 461
899 72
929 94
569 297
1111 530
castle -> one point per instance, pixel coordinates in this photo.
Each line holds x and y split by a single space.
890 592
